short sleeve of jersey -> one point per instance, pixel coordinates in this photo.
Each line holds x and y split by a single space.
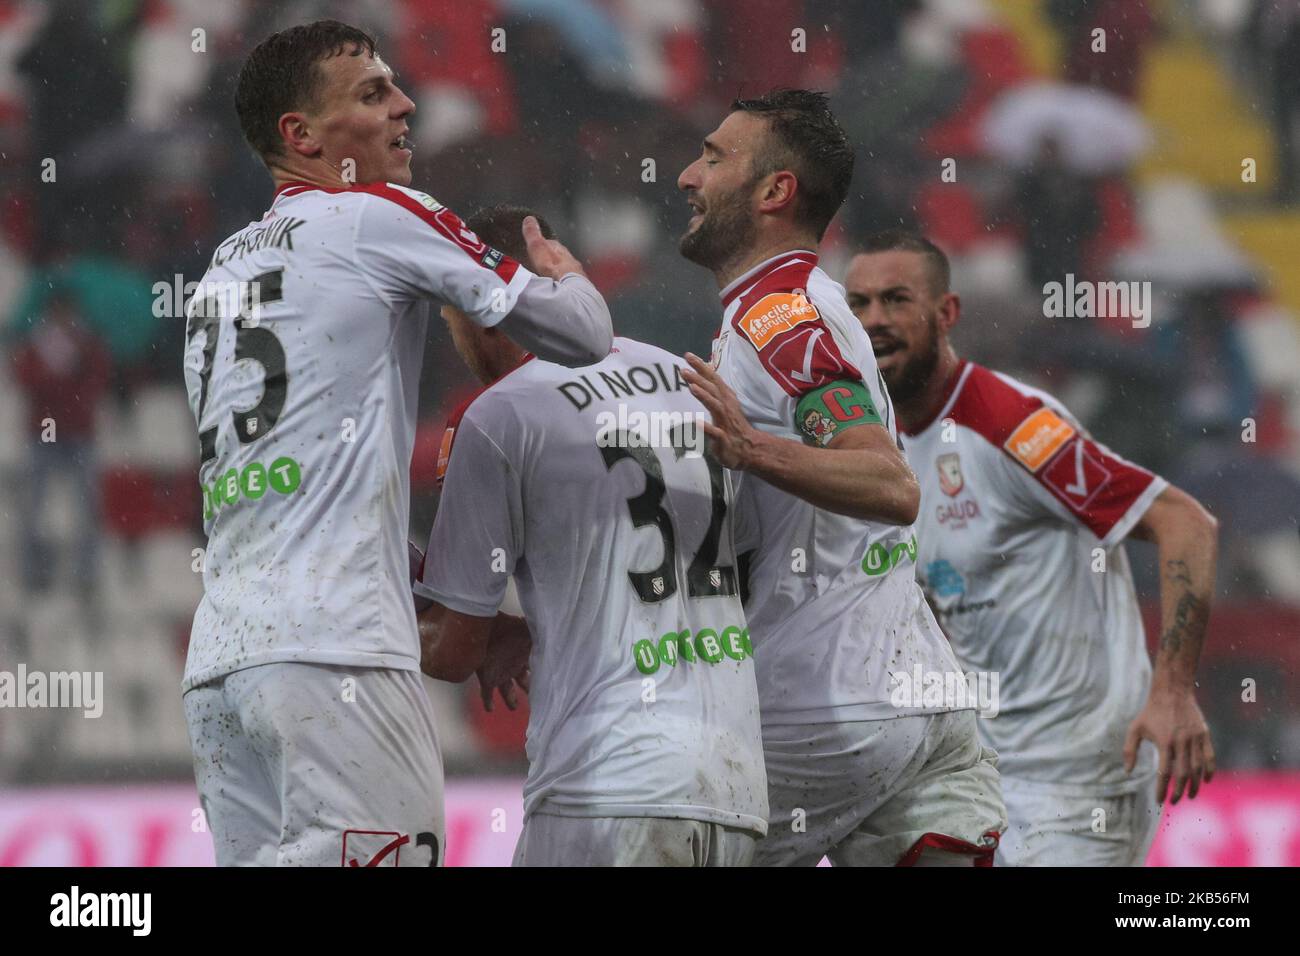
411 246
477 535
796 370
1061 471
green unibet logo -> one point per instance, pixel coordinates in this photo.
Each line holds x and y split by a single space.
880 559
253 481
734 642
707 645
283 476
668 649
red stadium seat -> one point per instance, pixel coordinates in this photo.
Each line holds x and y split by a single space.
994 63
128 501
501 733
950 215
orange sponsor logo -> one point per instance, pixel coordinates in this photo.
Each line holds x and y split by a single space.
1038 438
776 313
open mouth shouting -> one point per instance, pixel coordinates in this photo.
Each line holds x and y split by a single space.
697 208
402 143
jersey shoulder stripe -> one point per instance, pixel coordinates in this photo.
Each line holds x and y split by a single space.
777 316
1103 491
783 273
992 405
446 223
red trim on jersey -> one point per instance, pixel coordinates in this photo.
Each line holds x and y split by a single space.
450 225
989 406
295 186
1094 485
940 841
779 262
805 356
443 220
948 388
788 274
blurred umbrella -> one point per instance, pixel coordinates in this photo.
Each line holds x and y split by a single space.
1183 243
1094 132
115 300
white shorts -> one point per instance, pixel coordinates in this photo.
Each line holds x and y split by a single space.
880 792
302 764
551 840
1053 828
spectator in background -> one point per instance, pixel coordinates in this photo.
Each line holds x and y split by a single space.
1129 28
1058 211
1204 344
63 368
75 55
1280 33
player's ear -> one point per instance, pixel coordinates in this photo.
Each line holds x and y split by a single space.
949 311
297 136
777 191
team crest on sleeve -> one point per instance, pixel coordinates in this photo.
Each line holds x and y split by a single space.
950 479
1038 438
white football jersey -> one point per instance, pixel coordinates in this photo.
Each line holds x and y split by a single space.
1022 522
304 346
834 609
589 486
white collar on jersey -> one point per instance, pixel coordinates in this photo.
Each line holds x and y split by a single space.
779 261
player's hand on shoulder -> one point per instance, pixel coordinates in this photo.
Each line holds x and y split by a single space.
731 437
549 257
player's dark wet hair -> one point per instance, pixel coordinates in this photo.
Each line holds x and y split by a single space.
283 74
805 138
900 240
501 227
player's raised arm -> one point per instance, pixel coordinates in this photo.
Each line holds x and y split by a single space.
1187 538
416 247
559 316
860 473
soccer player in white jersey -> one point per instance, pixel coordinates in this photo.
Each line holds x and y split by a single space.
312 734
1023 518
590 486
825 500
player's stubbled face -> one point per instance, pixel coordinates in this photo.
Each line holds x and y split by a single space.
719 188
891 296
362 117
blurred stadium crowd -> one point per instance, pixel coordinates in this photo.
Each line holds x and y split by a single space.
1176 163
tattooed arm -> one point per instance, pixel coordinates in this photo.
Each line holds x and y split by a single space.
1186 537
